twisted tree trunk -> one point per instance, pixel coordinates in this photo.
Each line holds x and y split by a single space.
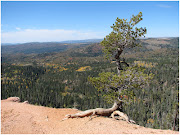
102 112
97 111
118 63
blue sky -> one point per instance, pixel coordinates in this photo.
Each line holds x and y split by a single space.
44 21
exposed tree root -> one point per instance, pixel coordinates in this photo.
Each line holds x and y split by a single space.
112 112
122 116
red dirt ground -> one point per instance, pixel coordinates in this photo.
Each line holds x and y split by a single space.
21 118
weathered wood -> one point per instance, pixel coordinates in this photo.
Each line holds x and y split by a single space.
97 111
101 112
122 116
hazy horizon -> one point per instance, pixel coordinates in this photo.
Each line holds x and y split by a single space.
65 41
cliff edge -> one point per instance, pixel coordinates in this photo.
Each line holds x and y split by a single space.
22 118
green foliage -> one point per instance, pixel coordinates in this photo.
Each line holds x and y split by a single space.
124 35
124 86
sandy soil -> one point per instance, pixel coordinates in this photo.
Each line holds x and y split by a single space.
22 118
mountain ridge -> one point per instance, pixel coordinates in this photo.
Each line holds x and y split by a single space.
66 41
49 47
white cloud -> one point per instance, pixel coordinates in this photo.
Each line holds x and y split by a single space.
164 6
17 28
45 35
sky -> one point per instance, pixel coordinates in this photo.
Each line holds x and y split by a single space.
53 21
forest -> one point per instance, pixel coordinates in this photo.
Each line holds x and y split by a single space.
60 79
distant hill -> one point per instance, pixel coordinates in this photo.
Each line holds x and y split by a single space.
45 47
4 44
148 44
36 47
68 41
86 48
83 41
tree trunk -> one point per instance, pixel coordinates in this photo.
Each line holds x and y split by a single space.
174 122
102 112
97 111
118 63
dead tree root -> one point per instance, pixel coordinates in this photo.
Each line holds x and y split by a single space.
121 116
101 112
